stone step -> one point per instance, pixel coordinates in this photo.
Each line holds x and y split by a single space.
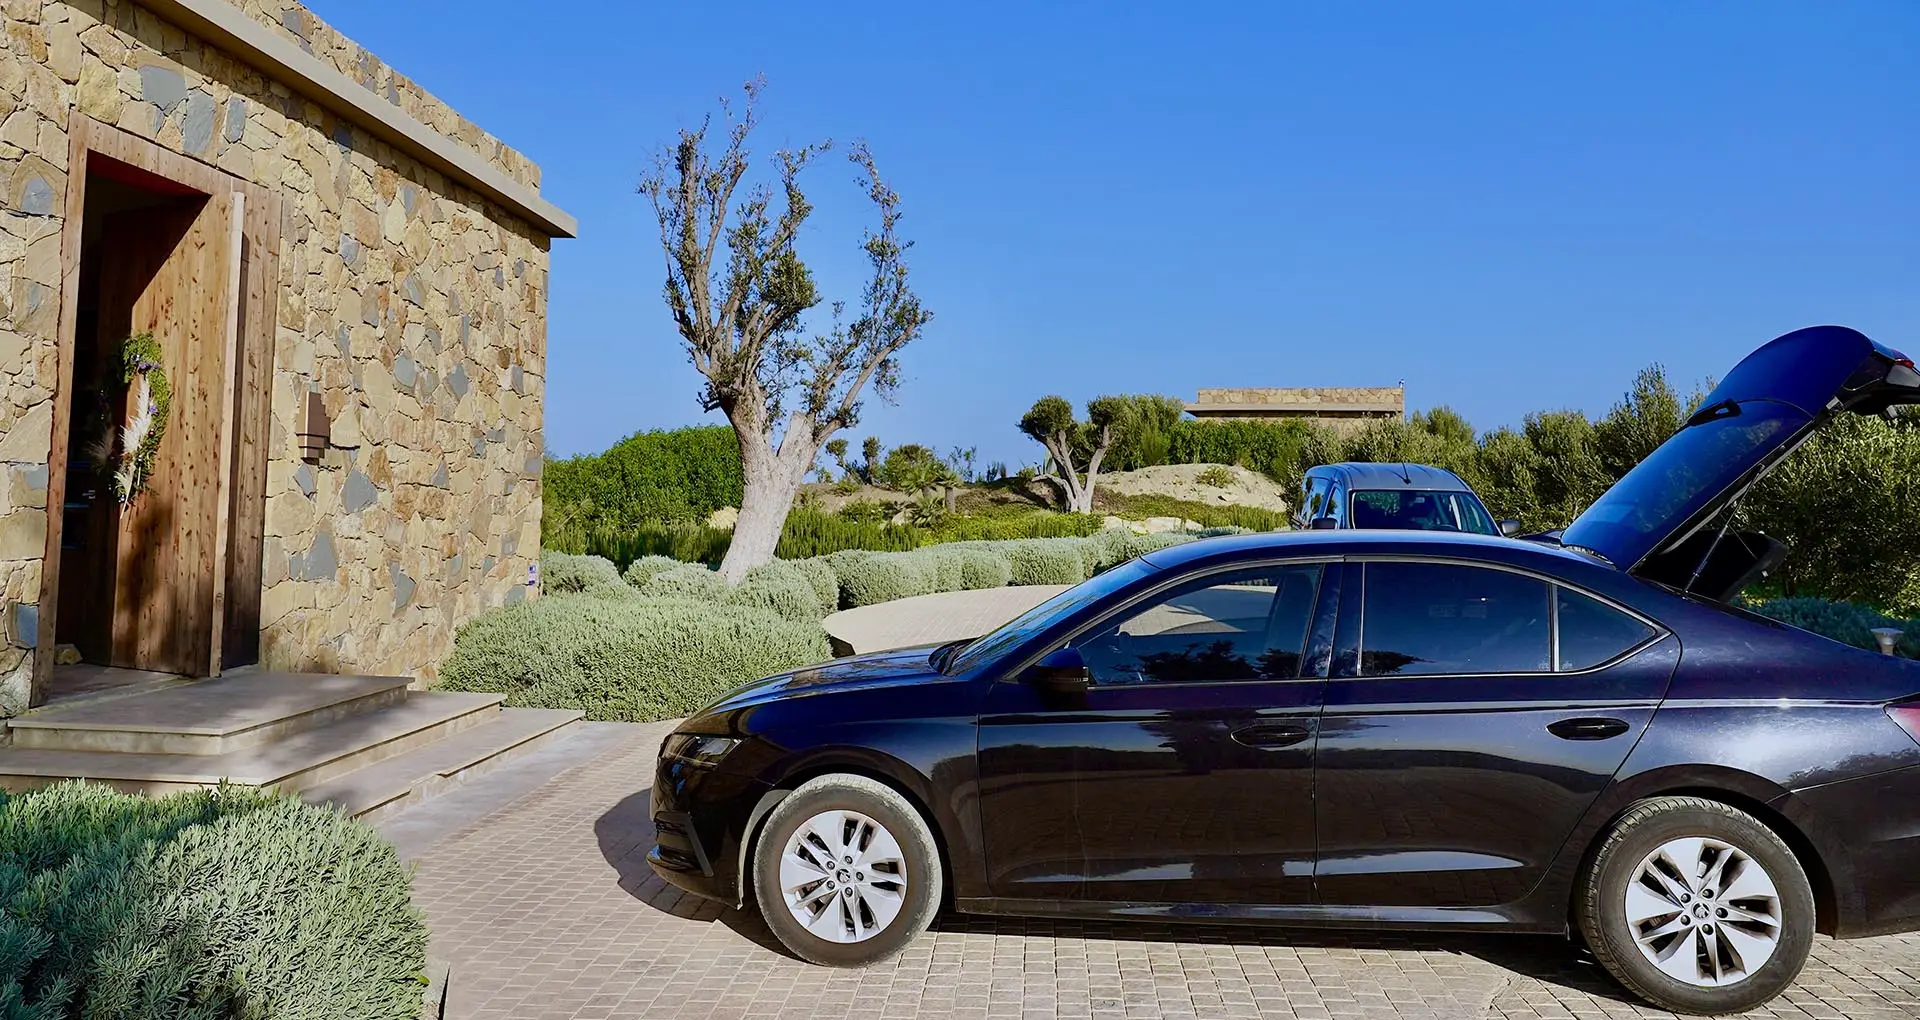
292 763
216 717
402 781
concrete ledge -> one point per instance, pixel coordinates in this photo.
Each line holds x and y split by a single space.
931 619
231 29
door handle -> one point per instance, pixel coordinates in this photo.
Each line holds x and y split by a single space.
1270 735
1587 728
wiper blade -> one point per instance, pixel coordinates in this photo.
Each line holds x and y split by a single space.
944 654
1728 408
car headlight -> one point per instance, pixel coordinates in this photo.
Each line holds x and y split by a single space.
700 748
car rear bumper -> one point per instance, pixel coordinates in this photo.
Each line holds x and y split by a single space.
1876 822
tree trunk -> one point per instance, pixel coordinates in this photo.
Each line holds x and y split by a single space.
770 482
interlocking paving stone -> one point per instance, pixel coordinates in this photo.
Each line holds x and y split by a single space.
548 911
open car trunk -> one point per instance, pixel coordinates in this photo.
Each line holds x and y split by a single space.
1653 521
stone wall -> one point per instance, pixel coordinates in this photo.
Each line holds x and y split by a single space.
1368 396
413 305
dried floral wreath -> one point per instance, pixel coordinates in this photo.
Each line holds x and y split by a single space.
125 453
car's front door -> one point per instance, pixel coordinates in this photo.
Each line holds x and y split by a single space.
1472 717
1184 773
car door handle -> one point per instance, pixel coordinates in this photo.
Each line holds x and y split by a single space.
1587 728
1270 735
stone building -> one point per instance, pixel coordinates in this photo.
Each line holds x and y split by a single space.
1340 407
347 283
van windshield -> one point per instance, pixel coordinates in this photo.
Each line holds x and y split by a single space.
1421 510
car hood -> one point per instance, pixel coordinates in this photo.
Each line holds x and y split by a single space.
899 667
1763 410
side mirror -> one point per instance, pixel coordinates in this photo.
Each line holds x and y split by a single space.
1324 524
1509 528
1062 671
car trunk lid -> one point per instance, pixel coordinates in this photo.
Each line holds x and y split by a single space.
1650 521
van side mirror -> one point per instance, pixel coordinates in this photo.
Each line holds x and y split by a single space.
1062 671
1509 527
1324 524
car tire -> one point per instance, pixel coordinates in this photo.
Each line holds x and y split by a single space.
1696 906
879 895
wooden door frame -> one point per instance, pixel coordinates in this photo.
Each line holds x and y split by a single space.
261 230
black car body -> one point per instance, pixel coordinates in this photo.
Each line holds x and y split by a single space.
1402 743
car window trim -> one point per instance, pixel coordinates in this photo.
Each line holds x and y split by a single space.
1659 632
1013 675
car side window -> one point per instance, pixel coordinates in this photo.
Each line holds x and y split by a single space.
1592 632
1237 626
1424 619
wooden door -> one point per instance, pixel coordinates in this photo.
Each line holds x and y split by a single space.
175 272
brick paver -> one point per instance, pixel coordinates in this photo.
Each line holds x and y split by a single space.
934 619
547 910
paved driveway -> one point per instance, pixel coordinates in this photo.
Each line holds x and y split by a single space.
547 909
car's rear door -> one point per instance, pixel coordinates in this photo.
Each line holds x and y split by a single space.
1472 715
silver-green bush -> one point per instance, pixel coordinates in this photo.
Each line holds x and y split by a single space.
219 903
687 581
642 570
633 661
826 584
1846 622
561 573
779 588
983 568
873 578
1046 560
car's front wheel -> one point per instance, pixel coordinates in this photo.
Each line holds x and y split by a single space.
1697 907
845 871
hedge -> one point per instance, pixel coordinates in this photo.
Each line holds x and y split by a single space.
642 570
779 588
687 581
634 661
646 478
212 903
1846 622
1047 561
826 584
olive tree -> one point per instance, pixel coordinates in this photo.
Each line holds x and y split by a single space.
738 291
1071 444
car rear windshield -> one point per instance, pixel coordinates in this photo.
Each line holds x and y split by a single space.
1679 479
1421 510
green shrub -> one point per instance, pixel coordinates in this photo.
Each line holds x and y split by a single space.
1271 447
983 568
1207 515
212 903
561 573
1223 531
649 477
1046 561
811 532
826 585
779 588
1115 546
869 578
642 570
1217 476
687 581
634 661
1846 622
866 511
1022 524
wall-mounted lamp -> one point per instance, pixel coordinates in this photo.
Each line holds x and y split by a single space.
316 430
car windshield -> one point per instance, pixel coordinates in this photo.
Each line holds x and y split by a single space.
1015 632
1679 479
1421 510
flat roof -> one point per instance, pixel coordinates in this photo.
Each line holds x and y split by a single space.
1300 407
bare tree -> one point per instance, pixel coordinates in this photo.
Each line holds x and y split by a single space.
1050 423
738 291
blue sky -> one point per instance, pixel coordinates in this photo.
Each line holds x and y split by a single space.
1511 206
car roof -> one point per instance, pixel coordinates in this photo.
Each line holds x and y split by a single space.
1359 475
1360 541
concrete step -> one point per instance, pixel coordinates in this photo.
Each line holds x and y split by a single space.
292 763
378 791
216 717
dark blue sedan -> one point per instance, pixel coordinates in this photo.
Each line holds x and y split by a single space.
1376 729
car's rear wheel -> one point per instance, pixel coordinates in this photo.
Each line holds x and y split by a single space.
1697 907
846 872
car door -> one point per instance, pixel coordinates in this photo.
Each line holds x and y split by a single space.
1184 772
1472 716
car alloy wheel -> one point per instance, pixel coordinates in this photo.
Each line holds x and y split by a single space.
845 871
1696 906
843 876
1704 912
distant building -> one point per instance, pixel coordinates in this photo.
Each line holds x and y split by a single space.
1342 407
